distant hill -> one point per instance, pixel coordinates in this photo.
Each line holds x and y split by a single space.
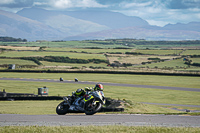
39 24
113 20
192 26
58 20
17 26
148 33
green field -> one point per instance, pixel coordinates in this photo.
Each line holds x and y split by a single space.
176 64
191 52
98 129
159 51
38 53
57 65
133 94
16 61
105 50
174 81
111 51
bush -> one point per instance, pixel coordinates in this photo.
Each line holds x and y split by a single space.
157 59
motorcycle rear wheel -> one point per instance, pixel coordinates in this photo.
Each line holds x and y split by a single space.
62 109
91 108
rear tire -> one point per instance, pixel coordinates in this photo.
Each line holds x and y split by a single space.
62 109
92 109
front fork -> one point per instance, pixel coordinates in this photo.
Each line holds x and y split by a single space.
67 102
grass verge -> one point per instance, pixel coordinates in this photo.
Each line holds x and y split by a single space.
174 81
98 129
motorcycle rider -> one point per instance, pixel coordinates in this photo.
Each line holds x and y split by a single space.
78 97
80 93
88 90
98 87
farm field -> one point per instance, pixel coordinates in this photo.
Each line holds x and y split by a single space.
132 94
38 54
115 54
191 52
19 47
16 61
137 59
159 51
110 55
69 65
176 64
89 50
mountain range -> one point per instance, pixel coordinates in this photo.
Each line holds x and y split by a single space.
40 24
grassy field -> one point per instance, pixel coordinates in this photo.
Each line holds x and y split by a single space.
89 50
17 61
19 48
38 53
98 129
174 81
69 65
191 52
133 94
82 50
159 51
129 93
67 44
176 64
135 59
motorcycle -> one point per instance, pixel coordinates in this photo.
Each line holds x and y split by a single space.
92 103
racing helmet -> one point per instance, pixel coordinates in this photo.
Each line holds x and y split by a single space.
98 87
88 89
79 92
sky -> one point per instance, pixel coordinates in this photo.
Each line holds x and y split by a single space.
155 12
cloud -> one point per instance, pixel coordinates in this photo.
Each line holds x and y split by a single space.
162 12
64 4
6 2
134 5
58 4
16 3
184 4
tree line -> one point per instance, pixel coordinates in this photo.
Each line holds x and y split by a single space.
11 39
62 59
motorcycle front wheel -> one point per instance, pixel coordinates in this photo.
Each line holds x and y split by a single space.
91 107
62 109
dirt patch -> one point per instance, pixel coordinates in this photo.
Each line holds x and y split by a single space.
112 103
20 48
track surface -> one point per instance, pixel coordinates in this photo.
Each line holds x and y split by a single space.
98 119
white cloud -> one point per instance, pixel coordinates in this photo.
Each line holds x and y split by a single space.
6 2
134 5
63 4
158 13
40 4
157 23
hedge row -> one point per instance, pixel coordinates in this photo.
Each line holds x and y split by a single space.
63 60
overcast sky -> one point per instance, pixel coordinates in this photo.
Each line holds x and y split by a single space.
156 12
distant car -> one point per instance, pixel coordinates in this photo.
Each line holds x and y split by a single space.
76 80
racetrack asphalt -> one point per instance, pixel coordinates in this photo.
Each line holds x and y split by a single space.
100 120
